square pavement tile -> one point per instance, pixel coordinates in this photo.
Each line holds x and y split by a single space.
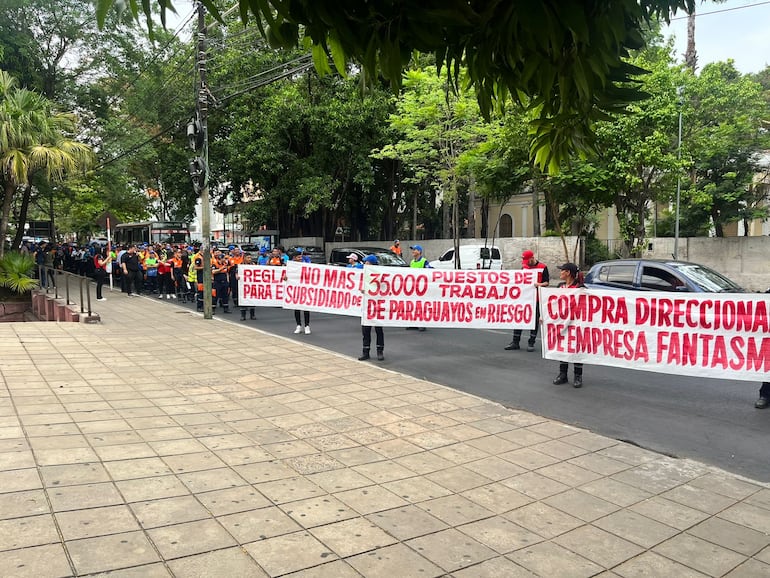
543 520
138 468
451 549
112 552
194 462
94 522
700 555
581 505
319 510
289 553
313 463
85 496
49 561
68 456
167 511
289 490
600 464
152 488
16 460
174 541
497 498
23 504
750 569
655 565
384 471
615 492
424 462
397 560
458 479
353 536
670 513
549 559
747 515
229 562
408 522
232 500
534 485
495 468
340 480
699 498
500 534
598 546
74 474
636 528
455 510
208 480
256 473
29 531
500 567
336 569
725 533
259 524
417 489
370 499
726 485
125 451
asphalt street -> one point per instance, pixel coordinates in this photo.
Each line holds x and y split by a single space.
710 420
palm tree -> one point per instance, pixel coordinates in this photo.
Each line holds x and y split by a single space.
33 140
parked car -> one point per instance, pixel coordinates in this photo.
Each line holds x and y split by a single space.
471 257
384 256
658 275
316 254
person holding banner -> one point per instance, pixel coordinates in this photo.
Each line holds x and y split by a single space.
529 261
300 257
418 262
568 275
764 396
366 330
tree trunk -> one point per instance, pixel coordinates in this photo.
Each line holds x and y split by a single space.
690 55
53 218
536 226
471 230
16 244
9 190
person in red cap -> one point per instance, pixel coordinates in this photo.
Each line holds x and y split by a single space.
528 261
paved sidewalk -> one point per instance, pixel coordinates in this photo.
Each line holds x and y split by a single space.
160 444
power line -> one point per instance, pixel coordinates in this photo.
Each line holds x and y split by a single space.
721 10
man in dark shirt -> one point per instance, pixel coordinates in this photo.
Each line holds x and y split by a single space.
133 272
529 261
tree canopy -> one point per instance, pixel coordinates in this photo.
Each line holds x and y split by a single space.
564 59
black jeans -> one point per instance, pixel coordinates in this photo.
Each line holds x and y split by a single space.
298 317
366 331
99 275
532 332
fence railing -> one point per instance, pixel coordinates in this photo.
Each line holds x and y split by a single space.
63 284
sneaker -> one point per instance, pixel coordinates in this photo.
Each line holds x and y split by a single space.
560 379
173 296
307 330
160 296
530 347
298 330
512 346
168 296
102 299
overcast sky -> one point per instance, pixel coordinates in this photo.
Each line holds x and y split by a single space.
737 29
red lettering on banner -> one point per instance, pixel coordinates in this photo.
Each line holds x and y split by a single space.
740 315
375 309
711 351
483 277
310 276
252 291
574 306
339 278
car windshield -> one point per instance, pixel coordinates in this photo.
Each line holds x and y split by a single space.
708 279
388 258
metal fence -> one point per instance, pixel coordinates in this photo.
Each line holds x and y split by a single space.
66 285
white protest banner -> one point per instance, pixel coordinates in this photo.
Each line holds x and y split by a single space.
449 298
260 285
724 335
323 288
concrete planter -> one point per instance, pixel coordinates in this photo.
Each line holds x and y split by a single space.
15 310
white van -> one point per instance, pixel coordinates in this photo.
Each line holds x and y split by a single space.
471 257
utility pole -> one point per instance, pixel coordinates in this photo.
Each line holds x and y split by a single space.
197 133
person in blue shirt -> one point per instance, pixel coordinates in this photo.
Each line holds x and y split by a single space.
354 262
366 330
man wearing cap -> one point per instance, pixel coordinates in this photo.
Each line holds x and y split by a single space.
366 330
569 279
353 261
396 247
418 259
528 261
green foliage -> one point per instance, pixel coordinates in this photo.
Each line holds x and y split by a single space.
562 59
16 272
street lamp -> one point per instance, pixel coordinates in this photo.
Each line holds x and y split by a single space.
679 94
